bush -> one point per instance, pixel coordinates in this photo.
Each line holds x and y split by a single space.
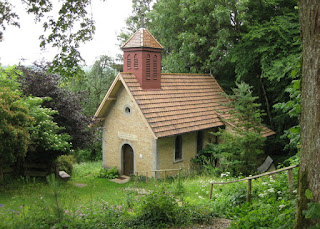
109 173
65 163
161 209
157 210
86 155
82 155
87 169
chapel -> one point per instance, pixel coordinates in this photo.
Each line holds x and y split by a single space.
155 121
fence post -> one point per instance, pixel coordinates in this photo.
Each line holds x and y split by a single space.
249 191
290 179
165 175
211 191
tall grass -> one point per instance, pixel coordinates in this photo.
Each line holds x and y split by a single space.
86 170
30 203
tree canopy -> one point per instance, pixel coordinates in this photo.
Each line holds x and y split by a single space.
36 81
254 41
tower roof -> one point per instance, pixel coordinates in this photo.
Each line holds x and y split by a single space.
142 38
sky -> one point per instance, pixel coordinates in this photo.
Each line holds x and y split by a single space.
21 45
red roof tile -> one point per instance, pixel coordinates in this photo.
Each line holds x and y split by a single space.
185 103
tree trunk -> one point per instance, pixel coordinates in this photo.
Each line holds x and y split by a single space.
309 173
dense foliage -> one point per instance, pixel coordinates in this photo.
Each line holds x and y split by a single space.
36 81
47 139
32 130
238 150
255 41
94 84
14 123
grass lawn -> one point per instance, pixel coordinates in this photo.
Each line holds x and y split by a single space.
28 191
30 203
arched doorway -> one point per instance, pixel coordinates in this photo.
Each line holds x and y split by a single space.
127 160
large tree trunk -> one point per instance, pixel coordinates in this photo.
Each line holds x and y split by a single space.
309 173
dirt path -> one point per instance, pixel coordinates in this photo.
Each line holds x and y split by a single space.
214 224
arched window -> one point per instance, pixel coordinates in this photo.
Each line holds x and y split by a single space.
148 67
136 63
154 67
129 61
178 148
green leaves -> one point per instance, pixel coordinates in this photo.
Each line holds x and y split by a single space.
198 33
308 194
45 133
244 141
27 128
313 210
14 121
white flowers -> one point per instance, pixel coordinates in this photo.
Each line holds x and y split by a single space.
281 206
262 195
225 174
271 190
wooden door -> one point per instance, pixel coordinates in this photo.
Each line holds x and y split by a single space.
127 160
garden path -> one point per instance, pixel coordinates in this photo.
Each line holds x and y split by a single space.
121 180
214 224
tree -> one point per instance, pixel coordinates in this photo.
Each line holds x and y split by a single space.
309 172
241 142
27 130
95 84
47 140
234 41
14 122
37 82
66 31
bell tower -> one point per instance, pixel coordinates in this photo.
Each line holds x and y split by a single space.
142 57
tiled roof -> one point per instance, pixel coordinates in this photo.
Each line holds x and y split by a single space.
185 103
142 38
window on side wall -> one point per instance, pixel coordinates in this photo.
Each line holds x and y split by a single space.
178 148
199 141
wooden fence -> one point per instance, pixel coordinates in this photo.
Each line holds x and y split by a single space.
165 171
249 179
